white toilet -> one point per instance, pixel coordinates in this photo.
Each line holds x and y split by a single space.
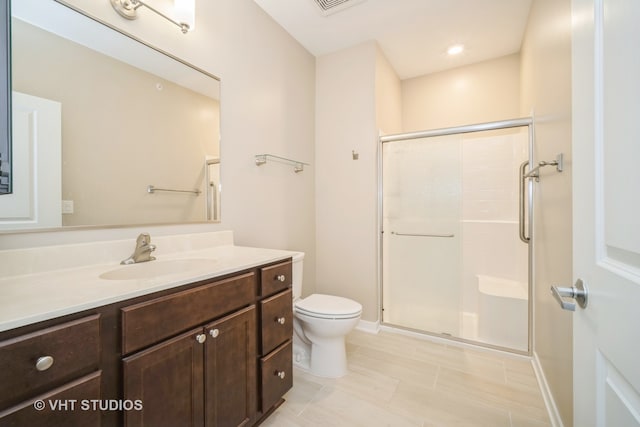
320 324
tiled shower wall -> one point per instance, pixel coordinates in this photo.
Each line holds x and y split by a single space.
490 184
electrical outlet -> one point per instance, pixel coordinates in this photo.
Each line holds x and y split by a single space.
67 206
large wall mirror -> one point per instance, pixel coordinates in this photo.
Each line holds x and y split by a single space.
107 131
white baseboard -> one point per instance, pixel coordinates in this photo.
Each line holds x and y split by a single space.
368 327
552 409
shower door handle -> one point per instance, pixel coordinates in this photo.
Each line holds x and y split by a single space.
523 183
578 292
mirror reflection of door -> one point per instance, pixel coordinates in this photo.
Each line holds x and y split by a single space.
37 179
5 117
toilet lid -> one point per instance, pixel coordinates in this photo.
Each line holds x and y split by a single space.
319 305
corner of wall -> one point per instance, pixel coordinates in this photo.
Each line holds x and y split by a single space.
546 89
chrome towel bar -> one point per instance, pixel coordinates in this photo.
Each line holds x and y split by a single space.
423 235
152 189
298 166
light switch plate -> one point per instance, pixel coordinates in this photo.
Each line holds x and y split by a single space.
67 206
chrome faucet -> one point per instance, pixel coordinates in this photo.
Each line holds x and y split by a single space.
143 250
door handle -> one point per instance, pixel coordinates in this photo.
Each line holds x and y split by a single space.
523 190
578 292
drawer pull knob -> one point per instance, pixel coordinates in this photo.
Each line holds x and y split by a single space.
43 363
281 320
214 333
201 338
280 374
281 277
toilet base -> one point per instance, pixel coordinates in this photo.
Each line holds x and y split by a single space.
301 356
327 358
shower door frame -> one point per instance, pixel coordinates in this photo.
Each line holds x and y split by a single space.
456 130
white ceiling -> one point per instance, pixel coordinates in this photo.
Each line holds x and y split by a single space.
413 34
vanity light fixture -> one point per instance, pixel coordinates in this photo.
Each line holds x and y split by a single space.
184 11
455 49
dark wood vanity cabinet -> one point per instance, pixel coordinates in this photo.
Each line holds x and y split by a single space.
205 376
229 371
214 353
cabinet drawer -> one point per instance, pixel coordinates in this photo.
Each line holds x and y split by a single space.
276 373
152 321
275 278
277 320
73 347
73 413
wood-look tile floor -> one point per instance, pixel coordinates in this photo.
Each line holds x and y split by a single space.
396 380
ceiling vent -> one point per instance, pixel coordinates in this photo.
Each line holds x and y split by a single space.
329 7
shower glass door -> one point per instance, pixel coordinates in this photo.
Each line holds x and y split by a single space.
421 234
452 260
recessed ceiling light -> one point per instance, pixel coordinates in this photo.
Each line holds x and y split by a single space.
455 49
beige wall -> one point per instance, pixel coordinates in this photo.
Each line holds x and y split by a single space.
476 93
546 89
268 90
346 191
388 94
358 96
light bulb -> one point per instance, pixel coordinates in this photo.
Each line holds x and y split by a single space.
455 49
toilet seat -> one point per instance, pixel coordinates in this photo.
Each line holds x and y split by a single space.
328 307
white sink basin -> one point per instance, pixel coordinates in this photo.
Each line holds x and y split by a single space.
153 269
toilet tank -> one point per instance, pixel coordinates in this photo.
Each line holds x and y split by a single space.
296 271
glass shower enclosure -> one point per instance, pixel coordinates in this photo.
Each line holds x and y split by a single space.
452 260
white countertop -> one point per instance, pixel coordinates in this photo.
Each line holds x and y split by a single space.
31 298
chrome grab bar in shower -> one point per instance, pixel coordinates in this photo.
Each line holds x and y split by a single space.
423 235
523 183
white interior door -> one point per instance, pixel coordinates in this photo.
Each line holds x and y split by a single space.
606 211
37 178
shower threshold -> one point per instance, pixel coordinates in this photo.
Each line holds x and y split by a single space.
449 339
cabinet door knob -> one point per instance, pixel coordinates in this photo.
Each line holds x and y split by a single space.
43 363
201 338
280 374
214 333
281 320
281 277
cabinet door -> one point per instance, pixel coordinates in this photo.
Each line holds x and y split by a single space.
167 379
230 369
